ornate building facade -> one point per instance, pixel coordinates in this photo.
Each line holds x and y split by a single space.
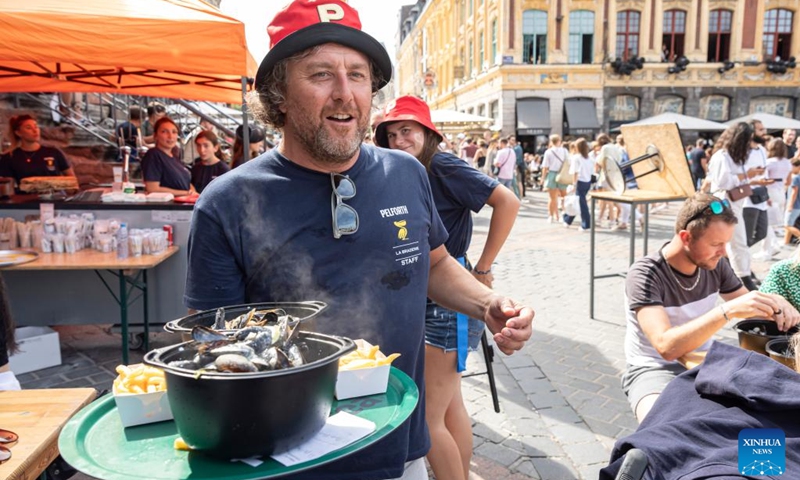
550 66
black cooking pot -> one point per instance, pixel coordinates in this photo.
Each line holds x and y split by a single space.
303 311
757 342
237 415
779 350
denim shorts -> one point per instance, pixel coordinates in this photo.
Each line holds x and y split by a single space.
441 329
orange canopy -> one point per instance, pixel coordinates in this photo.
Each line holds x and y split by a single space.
160 48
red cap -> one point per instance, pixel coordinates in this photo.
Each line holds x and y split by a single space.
404 108
304 24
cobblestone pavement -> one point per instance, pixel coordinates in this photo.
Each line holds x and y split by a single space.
561 403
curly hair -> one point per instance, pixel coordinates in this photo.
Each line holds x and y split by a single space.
736 141
273 94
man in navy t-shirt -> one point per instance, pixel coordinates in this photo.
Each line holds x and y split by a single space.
323 217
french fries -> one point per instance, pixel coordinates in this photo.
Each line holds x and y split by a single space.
365 356
139 379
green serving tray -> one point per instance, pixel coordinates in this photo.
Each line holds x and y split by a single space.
95 443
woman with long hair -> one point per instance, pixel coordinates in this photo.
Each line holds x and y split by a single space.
208 165
581 168
163 172
28 157
726 172
256 140
554 157
458 190
779 169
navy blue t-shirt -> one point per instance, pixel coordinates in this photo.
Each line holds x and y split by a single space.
458 189
203 174
263 232
45 162
170 172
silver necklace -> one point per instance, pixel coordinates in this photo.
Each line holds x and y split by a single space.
675 277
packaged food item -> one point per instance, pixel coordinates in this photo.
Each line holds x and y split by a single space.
364 371
140 392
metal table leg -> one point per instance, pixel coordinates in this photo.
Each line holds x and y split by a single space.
591 261
632 224
123 314
646 226
146 317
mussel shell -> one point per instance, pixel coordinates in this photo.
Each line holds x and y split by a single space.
234 363
219 319
187 364
233 349
204 334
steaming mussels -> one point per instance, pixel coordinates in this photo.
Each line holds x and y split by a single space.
255 348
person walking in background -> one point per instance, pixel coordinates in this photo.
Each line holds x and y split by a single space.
554 157
789 137
505 161
457 191
581 168
491 154
756 221
779 169
522 167
726 176
792 204
699 162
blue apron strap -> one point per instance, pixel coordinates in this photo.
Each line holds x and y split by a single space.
462 330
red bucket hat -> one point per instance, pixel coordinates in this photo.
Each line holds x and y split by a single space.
307 23
404 108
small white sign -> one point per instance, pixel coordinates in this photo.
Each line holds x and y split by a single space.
47 211
161 216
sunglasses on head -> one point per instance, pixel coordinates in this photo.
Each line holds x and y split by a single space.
716 207
345 217
7 439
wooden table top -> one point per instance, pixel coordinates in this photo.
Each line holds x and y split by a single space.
630 196
37 416
93 260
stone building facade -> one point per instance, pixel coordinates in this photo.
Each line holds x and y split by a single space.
548 66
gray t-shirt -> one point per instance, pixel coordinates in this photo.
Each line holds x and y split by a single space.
649 283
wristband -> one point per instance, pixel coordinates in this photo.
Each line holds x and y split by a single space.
724 314
482 272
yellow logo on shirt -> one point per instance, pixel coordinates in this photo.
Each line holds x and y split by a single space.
402 233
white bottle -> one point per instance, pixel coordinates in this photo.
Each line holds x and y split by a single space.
122 241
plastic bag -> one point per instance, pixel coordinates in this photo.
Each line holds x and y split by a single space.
571 205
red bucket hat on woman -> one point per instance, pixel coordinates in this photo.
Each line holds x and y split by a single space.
404 108
307 23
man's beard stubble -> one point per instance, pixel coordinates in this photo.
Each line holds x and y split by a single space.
320 143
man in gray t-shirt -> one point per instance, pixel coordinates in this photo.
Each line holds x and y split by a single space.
672 298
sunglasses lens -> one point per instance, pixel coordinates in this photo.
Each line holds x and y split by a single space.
346 219
5 454
7 436
345 187
716 207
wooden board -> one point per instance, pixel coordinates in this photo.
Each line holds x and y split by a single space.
37 416
631 196
94 260
675 179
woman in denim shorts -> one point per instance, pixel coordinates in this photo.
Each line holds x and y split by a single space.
458 189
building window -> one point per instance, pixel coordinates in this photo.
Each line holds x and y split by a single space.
481 110
581 36
471 55
628 34
668 104
494 108
778 34
481 58
781 106
494 41
534 36
471 4
674 35
463 11
719 35
624 109
715 108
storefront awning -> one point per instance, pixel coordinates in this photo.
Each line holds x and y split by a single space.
533 117
580 117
